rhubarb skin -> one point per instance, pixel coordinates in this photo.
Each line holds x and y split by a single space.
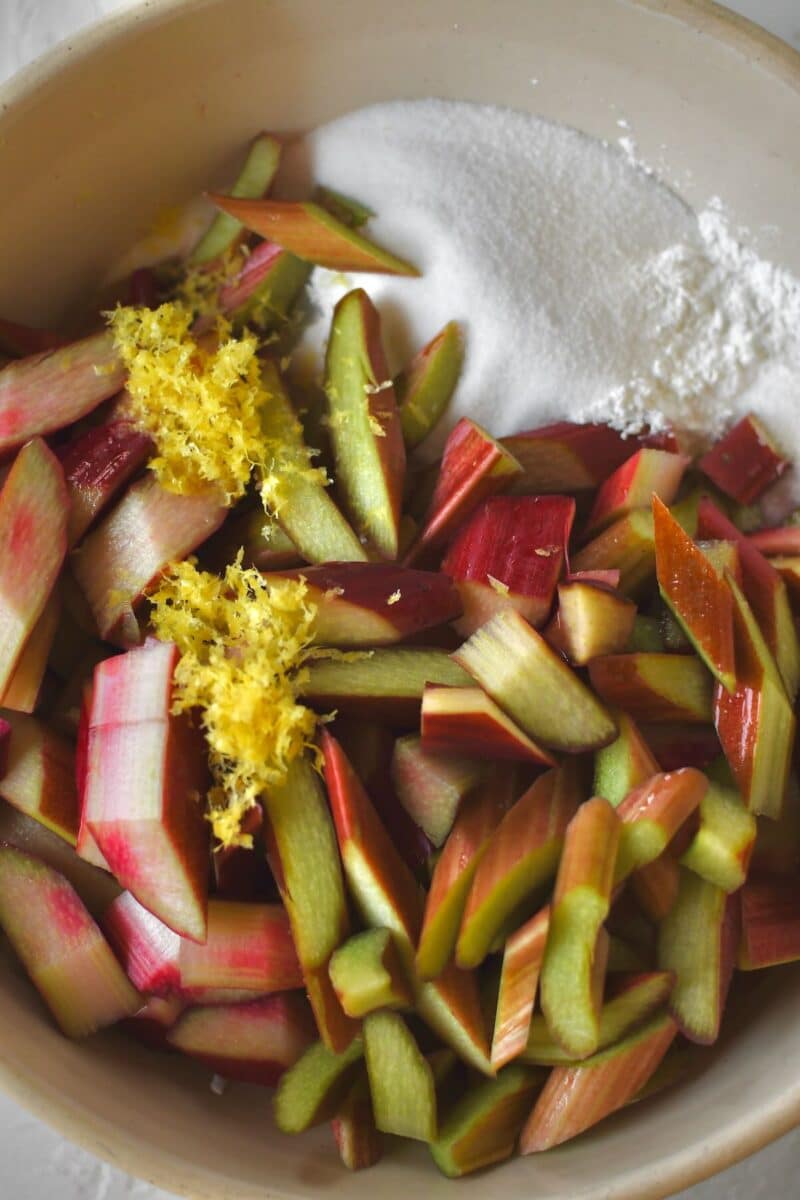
146 771
697 941
47 391
645 474
367 441
523 956
25 685
744 462
627 545
465 721
61 947
148 950
764 590
522 856
770 913
592 621
482 1128
97 464
565 457
248 946
39 779
581 902
653 813
755 725
477 819
655 687
374 604
431 786
313 234
474 466
577 1097
254 1042
387 685
696 594
624 763
511 553
425 387
131 547
33 542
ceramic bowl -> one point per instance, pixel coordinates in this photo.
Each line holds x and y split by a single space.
144 111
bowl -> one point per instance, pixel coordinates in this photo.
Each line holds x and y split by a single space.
144 111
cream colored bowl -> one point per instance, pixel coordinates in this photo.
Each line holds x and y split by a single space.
145 111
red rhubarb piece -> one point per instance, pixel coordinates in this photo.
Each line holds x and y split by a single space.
565 457
633 485
744 462
97 464
770 923
465 721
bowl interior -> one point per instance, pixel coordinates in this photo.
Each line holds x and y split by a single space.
148 111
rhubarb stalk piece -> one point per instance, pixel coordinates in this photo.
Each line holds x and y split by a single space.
566 458
697 941
312 1090
265 290
477 819
49 390
33 520
366 437
577 1097
697 595
721 849
65 954
302 852
367 974
465 721
655 687
645 474
401 1081
313 234
624 763
255 1042
254 180
533 684
755 725
744 462
522 856
148 949
127 552
39 779
474 466
656 885
523 956
97 464
775 543
248 946
653 813
146 772
628 545
387 684
591 621
357 1140
430 786
770 911
511 553
24 686
483 1126
374 604
581 902
425 387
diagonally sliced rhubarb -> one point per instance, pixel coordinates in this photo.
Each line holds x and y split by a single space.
254 179
655 687
50 390
770 910
592 620
313 234
473 467
24 686
265 290
39 779
148 949
744 462
431 786
656 886
357 1140
645 474
97 464
721 849
483 1126
401 1081
523 956
387 684
425 386
33 542
367 973
534 685
146 774
149 528
465 721
313 1088
627 546
624 763
248 946
653 813
61 947
511 553
566 457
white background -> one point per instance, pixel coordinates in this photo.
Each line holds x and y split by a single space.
35 1163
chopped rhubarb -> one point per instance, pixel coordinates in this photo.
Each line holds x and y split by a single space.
56 387
312 1090
653 813
624 763
776 542
431 786
148 529
424 388
628 546
39 779
265 290
592 621
248 946
313 234
97 464
33 542
645 474
676 744
61 947
254 1042
146 773
152 1023
148 949
387 684
656 884
770 910
523 956
25 685
254 180
465 721
482 1128
401 1081
655 687
744 462
367 973
566 457
474 466
511 553
357 1140
721 849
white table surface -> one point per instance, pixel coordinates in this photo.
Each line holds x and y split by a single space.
37 1164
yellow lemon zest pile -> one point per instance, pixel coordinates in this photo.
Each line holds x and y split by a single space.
243 646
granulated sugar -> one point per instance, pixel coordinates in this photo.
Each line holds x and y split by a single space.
586 288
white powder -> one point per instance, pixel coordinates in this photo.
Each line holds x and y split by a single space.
586 288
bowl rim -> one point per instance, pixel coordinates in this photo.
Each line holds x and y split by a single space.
745 1137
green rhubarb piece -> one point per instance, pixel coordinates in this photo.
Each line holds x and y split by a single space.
720 850
692 945
395 676
484 1125
624 763
367 974
627 546
296 492
274 298
313 1089
401 1081
424 389
254 179
347 210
